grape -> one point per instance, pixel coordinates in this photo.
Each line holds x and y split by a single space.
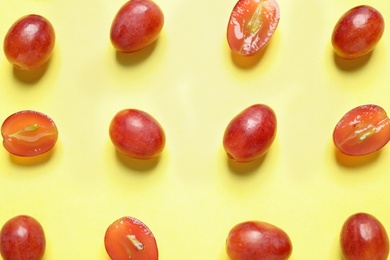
251 25
362 130
130 238
256 240
137 134
29 42
28 133
249 135
357 32
137 24
363 237
22 238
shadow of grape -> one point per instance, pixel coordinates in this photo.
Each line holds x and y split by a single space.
355 161
353 64
247 62
245 168
137 164
134 58
30 77
32 160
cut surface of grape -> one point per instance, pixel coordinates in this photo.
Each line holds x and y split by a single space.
363 130
251 25
28 133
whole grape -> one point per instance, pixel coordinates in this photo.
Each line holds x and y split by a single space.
22 238
357 32
137 24
29 42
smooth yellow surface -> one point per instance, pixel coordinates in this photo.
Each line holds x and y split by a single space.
192 195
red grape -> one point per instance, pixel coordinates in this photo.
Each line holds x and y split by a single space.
357 32
29 42
137 134
251 25
249 135
256 240
363 130
363 237
137 24
22 238
28 133
129 238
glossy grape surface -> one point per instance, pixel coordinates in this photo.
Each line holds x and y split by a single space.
363 237
137 134
130 238
22 238
357 32
256 240
249 134
362 130
137 24
28 133
29 42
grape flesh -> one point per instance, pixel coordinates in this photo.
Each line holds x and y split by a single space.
130 238
28 133
251 25
362 130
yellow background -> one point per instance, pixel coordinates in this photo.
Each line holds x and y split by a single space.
191 83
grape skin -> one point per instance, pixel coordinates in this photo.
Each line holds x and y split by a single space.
253 240
29 42
363 237
22 238
249 134
357 32
137 24
137 134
